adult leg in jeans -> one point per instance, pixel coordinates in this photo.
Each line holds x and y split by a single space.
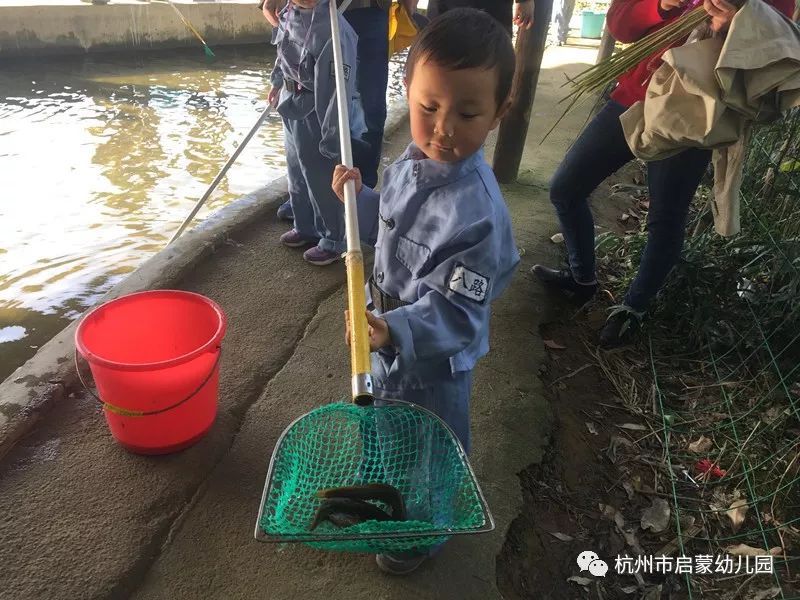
598 152
372 27
673 183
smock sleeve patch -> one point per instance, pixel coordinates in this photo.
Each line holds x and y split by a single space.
469 283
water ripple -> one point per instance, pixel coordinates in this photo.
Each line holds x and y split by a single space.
103 157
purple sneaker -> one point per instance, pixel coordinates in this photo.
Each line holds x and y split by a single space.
285 212
318 256
294 239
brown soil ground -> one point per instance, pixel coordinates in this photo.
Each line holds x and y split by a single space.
564 492
572 496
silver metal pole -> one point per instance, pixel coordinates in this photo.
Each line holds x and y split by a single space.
342 102
221 174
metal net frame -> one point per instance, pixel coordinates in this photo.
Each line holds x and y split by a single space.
399 444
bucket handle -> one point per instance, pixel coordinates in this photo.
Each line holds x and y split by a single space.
144 413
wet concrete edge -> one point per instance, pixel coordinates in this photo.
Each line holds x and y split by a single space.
50 375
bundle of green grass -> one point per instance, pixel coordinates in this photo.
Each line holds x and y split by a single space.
598 77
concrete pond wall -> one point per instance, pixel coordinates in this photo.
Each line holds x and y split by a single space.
75 27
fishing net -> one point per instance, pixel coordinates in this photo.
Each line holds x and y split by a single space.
401 445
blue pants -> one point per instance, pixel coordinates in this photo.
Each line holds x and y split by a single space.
372 27
318 213
598 152
447 396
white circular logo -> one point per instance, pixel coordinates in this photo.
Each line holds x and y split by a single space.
585 558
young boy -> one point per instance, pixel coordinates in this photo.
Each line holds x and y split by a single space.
444 248
304 92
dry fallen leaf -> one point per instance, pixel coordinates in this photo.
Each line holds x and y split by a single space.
656 517
554 345
611 513
766 594
614 445
580 580
687 521
591 427
632 427
736 513
561 536
628 487
557 238
687 533
745 550
607 511
653 593
771 414
701 445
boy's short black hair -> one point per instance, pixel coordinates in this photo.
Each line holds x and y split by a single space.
466 38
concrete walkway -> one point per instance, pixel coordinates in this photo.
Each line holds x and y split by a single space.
81 518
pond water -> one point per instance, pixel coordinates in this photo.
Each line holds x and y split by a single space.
102 157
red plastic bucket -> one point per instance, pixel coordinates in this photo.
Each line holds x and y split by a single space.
154 357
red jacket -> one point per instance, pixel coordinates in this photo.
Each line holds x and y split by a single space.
631 20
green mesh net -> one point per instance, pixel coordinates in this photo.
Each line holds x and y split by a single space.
399 444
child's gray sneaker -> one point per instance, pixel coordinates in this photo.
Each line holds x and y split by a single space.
285 212
399 564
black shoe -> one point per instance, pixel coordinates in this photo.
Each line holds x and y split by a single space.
621 328
562 279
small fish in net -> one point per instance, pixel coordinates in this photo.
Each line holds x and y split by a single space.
349 505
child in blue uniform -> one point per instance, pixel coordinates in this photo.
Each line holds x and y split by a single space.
304 91
444 248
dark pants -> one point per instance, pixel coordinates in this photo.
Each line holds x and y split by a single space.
372 27
502 10
562 14
597 153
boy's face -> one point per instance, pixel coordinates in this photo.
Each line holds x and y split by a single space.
452 111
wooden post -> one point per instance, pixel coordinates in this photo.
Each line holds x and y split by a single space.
606 46
514 127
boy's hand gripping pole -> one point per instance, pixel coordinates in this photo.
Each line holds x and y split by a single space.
354 259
